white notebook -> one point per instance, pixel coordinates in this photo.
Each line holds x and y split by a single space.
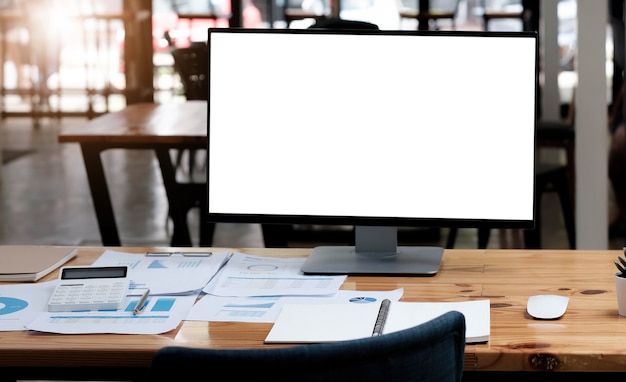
312 323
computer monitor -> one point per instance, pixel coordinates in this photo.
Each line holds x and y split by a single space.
372 129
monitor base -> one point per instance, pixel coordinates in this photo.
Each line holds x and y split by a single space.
407 261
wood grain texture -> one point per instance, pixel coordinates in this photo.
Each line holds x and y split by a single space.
591 336
174 123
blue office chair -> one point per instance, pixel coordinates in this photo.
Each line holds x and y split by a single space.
433 351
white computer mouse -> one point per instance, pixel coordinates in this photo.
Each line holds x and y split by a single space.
547 306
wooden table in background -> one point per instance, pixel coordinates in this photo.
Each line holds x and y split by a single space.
590 337
158 127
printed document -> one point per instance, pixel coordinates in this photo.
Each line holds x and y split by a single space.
161 314
21 303
267 308
166 273
247 275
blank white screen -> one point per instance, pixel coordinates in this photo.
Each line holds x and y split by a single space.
403 126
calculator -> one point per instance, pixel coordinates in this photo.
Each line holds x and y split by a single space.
90 288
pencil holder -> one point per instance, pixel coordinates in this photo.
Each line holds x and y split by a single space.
620 291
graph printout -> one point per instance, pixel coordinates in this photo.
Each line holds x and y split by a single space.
166 273
267 308
161 314
247 275
20 303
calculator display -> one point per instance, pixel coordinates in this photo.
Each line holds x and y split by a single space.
73 273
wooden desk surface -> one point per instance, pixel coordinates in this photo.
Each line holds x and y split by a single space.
589 337
172 123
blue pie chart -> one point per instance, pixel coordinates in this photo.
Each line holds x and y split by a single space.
362 300
10 305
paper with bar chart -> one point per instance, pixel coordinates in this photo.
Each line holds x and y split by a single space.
267 308
166 273
161 314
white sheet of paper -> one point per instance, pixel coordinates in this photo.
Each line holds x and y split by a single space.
167 275
21 303
247 275
267 308
161 314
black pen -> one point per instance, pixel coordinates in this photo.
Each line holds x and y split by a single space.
382 318
141 303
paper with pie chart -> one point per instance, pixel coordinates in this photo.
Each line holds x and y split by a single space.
248 275
267 308
21 303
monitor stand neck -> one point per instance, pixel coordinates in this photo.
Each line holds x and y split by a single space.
376 241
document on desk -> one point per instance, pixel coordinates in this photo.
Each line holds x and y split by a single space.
267 308
166 273
160 315
247 275
21 303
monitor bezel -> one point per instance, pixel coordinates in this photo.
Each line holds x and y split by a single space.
372 220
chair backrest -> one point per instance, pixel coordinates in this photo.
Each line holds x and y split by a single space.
334 23
433 351
192 66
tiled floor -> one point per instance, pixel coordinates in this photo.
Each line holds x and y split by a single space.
44 199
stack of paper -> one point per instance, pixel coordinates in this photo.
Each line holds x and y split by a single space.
254 288
309 308
166 273
174 280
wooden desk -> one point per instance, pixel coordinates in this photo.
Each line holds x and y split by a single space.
158 127
589 337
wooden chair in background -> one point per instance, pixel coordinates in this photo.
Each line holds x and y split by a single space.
439 10
490 13
192 65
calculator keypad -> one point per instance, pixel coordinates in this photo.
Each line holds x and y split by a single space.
97 294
